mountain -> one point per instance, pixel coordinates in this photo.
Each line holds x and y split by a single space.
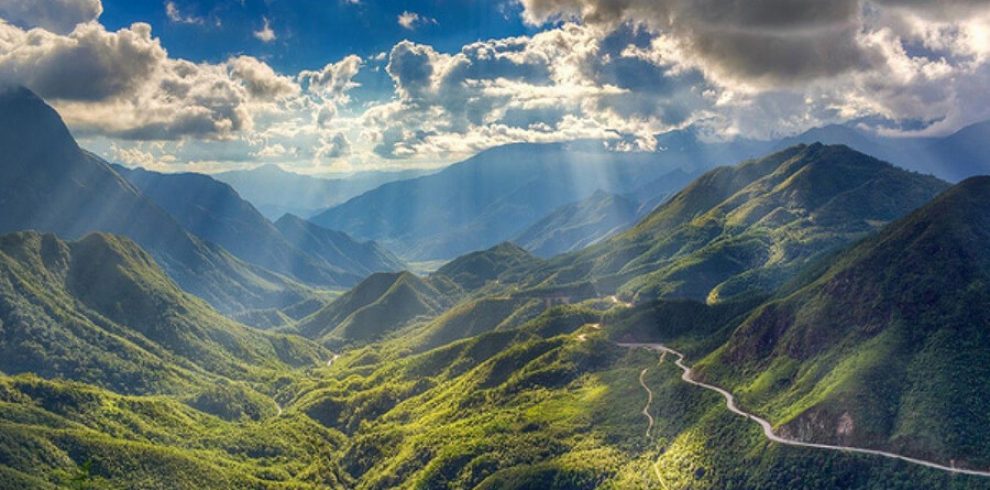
99 310
214 212
488 198
656 192
382 303
335 247
473 271
265 187
954 157
886 346
48 183
577 225
386 303
746 229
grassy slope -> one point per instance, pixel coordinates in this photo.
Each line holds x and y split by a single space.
536 407
99 310
736 231
885 347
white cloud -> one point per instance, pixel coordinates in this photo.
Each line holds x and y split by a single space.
334 79
58 16
89 63
774 66
409 20
123 85
265 34
260 79
623 74
174 15
333 146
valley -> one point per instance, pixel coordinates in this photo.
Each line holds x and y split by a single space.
158 331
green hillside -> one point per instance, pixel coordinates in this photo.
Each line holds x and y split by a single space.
745 230
99 310
380 304
887 347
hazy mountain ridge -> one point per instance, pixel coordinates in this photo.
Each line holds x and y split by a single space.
486 199
266 187
50 184
578 225
336 247
214 212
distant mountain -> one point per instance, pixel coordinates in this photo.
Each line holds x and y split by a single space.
887 345
656 192
99 310
266 187
48 183
746 229
335 247
214 212
488 198
957 156
577 225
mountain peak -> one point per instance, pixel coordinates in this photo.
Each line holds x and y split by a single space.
29 126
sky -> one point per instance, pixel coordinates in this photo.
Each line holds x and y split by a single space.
326 86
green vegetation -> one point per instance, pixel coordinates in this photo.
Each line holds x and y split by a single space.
49 184
100 311
884 347
741 231
500 369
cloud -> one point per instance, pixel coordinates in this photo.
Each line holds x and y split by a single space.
174 15
760 42
792 64
334 79
124 85
58 16
552 86
622 71
265 34
333 146
260 79
409 20
89 63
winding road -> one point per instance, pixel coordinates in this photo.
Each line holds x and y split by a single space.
649 400
730 403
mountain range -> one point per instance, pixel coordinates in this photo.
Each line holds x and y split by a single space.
516 192
214 212
488 198
48 183
883 347
837 297
745 229
275 191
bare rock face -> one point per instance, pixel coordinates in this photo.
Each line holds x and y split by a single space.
845 427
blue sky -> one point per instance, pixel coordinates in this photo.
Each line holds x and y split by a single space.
324 86
311 32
